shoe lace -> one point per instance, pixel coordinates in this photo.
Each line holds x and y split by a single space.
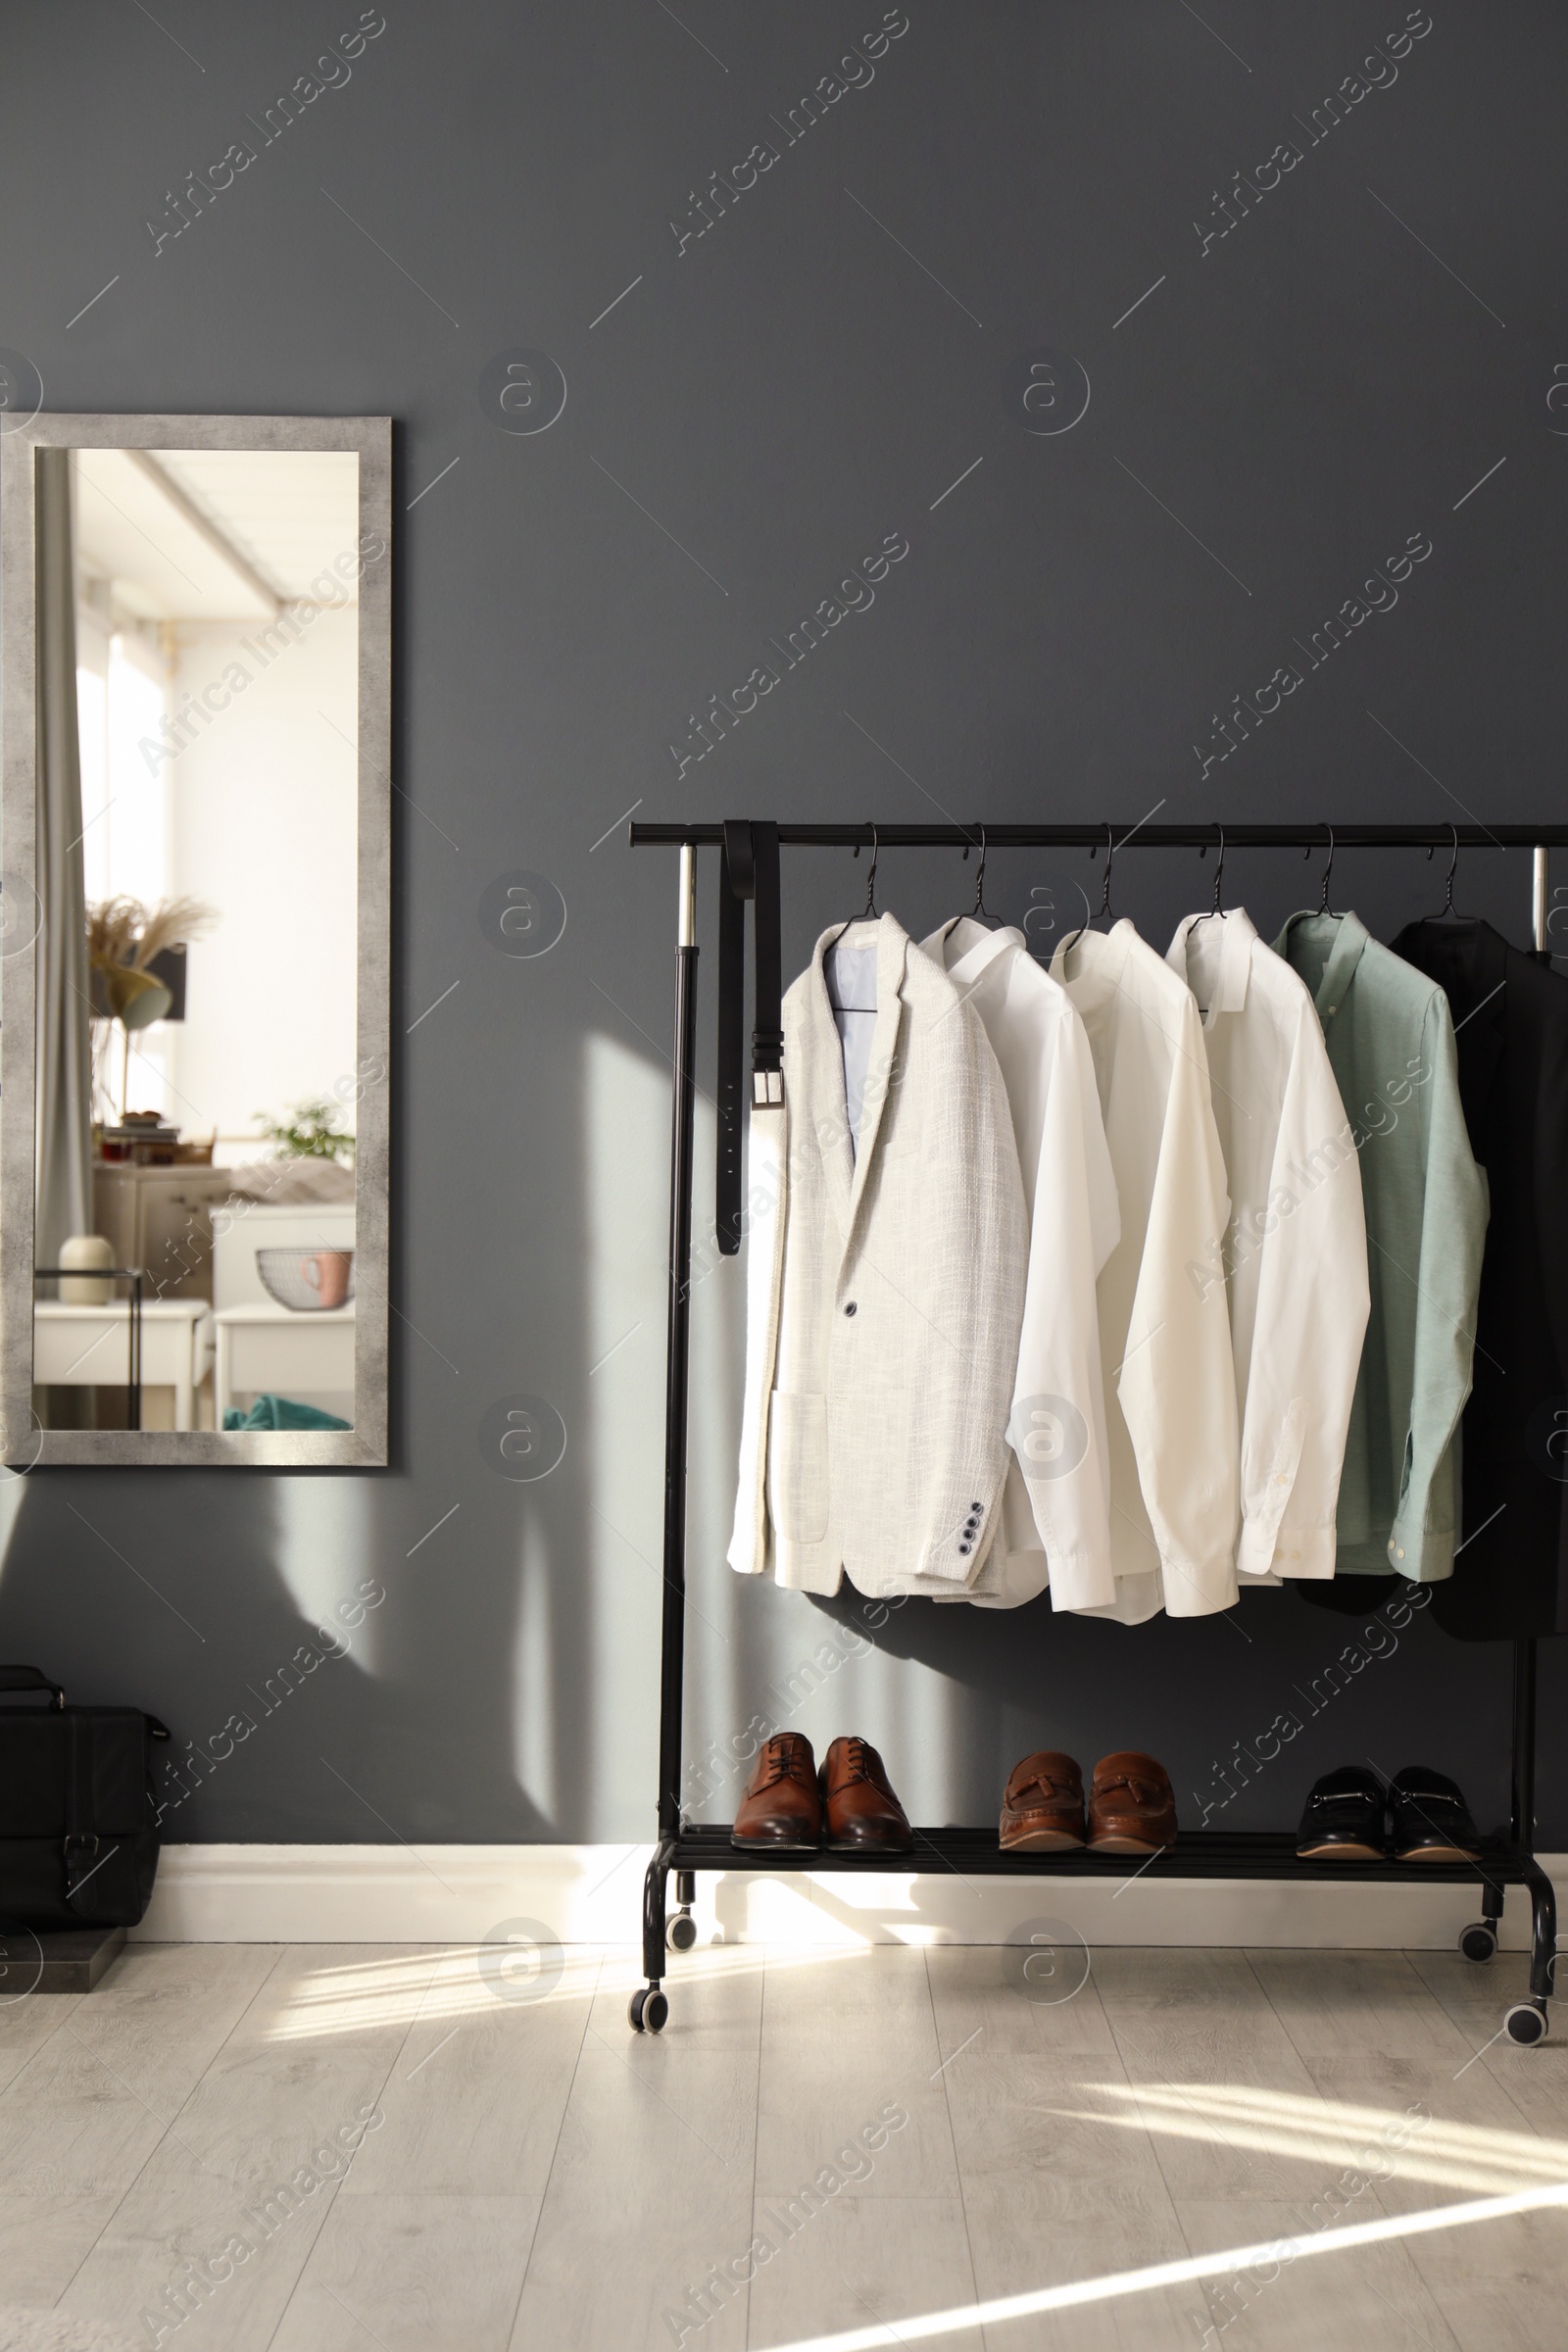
858 1762
784 1761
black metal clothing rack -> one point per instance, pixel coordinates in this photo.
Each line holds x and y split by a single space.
684 1847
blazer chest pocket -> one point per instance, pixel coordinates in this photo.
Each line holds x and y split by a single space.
797 1466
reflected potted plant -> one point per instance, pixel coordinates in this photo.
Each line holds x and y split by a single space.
310 1131
125 939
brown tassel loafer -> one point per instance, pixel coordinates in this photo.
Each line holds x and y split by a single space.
1043 1807
1132 1805
781 1810
863 1815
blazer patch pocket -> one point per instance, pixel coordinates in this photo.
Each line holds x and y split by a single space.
797 1466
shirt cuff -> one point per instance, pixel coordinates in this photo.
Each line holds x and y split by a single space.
1079 1580
1193 1589
1425 1554
1285 1551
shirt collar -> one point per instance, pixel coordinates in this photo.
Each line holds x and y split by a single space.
964 947
1238 938
1101 954
1349 942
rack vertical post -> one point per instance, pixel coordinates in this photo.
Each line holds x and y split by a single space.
649 2007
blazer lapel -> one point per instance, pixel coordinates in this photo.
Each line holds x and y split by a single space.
891 947
821 1085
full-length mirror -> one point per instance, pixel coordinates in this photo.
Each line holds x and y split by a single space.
193 1106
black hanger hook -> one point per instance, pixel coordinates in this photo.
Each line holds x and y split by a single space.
1448 907
1073 936
1219 878
979 907
870 879
1323 903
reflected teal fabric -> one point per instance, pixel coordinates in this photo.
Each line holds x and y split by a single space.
281 1412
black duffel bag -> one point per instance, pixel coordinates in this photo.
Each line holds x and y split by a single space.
79 1837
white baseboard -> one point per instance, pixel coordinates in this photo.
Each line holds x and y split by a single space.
593 1894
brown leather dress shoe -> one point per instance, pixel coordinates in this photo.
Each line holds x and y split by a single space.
1043 1808
863 1815
1132 1805
782 1807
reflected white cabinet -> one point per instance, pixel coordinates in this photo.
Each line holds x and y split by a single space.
161 1219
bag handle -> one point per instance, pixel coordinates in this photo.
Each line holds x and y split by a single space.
28 1678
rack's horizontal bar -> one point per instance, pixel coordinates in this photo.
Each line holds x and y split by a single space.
1197 1854
1147 837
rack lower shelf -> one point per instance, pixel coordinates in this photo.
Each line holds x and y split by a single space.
1197 1854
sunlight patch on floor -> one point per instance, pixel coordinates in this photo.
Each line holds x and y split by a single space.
1262 2263
1412 2142
456 1981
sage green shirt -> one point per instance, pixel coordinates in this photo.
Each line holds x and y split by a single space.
1389 1036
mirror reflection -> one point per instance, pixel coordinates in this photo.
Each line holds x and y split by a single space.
196 1068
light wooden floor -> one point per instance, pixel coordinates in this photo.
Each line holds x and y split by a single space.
534 2176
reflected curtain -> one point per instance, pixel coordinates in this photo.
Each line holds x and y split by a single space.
64 1201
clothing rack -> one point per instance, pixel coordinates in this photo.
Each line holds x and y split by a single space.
686 1847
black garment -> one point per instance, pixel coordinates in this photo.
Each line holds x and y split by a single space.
1510 1014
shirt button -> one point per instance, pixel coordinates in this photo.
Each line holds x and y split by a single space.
1400 1554
1334 1008
1284 1479
851 1309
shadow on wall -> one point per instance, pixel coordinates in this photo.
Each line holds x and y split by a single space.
91 1592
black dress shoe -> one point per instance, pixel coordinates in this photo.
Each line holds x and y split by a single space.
1431 1820
1343 1820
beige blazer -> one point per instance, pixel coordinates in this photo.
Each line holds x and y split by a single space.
885 1289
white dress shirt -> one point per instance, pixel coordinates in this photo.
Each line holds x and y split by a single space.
884 1292
1055 1523
1164 1337
1292 1260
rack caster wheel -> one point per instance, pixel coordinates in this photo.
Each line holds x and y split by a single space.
648 2010
681 1933
1478 1941
1526 2023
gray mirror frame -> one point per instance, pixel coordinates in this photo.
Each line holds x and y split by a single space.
21 1443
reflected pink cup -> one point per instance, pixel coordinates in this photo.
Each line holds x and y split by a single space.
326 1271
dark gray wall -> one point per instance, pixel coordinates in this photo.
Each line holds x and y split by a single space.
1291 401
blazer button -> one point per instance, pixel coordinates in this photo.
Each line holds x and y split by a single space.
849 1309
965 1550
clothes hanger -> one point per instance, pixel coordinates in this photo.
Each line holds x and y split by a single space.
1219 884
1104 893
1449 907
868 913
